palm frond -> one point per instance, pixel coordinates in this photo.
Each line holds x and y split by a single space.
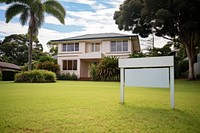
56 5
13 10
3 1
24 16
38 9
55 9
16 1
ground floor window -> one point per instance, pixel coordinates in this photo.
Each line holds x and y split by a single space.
69 64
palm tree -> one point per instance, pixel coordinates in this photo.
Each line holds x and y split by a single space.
32 12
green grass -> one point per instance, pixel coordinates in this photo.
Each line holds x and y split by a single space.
75 106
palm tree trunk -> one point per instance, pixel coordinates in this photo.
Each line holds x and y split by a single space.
31 26
30 49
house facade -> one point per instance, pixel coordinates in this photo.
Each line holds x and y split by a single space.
75 54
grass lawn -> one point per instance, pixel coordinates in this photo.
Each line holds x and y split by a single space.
77 106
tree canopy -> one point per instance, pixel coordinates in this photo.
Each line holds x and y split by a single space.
172 19
14 49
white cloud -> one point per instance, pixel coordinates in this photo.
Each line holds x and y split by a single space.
4 7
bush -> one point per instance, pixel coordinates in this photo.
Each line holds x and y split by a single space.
107 69
64 76
184 66
0 76
47 58
184 75
93 72
74 77
67 76
198 77
36 76
48 65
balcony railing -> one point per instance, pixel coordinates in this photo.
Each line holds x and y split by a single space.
93 55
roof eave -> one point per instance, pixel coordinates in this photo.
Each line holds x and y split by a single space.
82 39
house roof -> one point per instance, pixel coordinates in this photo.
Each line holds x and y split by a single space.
95 36
6 65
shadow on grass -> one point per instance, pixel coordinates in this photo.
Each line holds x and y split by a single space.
160 119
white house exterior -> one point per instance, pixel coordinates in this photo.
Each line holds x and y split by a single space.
75 54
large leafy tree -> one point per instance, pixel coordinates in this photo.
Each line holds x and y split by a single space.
174 19
14 49
32 11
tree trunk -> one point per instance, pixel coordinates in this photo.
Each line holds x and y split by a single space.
190 53
31 26
30 49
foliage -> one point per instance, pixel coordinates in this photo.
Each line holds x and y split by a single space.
32 12
25 66
47 58
14 49
0 76
64 76
184 65
107 69
74 76
198 77
176 19
93 72
85 107
137 55
35 76
48 65
67 76
53 48
164 51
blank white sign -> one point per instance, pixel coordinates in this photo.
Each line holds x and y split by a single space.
148 77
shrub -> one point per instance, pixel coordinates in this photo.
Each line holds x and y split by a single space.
48 65
73 77
67 76
64 76
198 77
184 66
107 69
93 72
47 58
36 76
0 76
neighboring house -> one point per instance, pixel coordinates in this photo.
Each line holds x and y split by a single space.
8 70
75 54
4 66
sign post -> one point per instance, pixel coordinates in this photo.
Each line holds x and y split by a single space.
147 72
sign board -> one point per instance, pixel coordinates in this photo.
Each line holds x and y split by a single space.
149 77
147 72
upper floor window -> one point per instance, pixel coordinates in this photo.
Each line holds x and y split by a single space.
118 46
95 47
70 47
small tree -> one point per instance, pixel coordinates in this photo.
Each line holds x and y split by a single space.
107 68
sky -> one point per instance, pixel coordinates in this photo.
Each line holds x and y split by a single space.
82 17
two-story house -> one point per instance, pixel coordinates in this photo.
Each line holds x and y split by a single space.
75 54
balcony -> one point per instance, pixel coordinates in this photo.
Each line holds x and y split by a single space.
93 55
